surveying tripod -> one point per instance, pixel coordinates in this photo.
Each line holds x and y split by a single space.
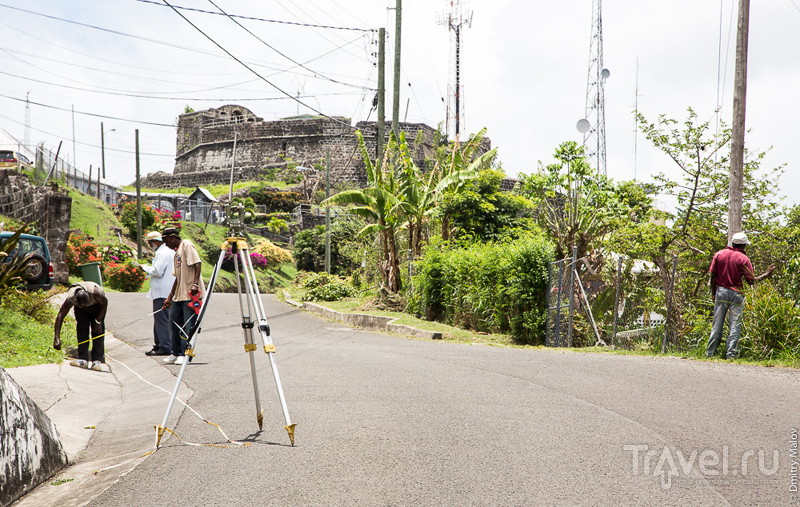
248 305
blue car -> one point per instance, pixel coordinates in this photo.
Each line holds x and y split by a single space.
40 269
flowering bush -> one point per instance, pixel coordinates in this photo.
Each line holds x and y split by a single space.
258 260
115 253
273 255
80 251
124 277
165 219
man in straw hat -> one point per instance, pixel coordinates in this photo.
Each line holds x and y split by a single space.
161 282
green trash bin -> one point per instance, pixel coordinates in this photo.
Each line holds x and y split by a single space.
91 272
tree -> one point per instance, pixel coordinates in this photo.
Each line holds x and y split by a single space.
577 206
697 229
377 203
421 193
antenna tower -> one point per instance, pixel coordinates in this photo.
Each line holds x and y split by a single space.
594 134
455 20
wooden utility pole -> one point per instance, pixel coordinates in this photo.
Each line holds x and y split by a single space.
328 211
396 104
98 183
138 201
736 184
103 149
89 183
381 96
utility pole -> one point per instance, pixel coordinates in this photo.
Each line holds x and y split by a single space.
89 183
74 154
396 103
103 149
328 211
736 185
98 183
381 96
138 201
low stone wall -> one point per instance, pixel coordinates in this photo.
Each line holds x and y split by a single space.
370 321
48 206
30 448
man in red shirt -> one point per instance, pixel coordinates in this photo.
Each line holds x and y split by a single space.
728 268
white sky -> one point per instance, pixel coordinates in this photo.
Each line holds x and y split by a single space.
524 69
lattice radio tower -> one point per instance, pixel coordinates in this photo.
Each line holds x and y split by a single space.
456 19
593 126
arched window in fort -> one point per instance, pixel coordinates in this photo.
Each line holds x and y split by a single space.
237 116
283 149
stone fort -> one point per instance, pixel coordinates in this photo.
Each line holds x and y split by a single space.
205 142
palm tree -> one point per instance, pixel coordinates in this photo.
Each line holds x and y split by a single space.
377 203
420 193
461 157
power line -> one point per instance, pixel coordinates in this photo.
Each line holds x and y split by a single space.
86 144
108 30
253 71
133 95
275 49
310 25
90 114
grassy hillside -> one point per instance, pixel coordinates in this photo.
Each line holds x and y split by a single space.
216 190
93 217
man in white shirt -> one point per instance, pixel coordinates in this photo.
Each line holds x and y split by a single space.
161 281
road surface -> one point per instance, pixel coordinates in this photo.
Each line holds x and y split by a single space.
385 420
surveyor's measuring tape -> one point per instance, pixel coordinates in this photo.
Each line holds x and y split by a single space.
122 327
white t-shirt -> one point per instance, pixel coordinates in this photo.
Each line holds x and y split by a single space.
161 277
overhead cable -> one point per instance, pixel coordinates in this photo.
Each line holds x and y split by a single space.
310 25
253 71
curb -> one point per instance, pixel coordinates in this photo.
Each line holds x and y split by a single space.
367 321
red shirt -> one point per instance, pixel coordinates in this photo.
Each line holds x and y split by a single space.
731 265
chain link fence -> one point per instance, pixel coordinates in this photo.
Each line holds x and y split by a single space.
623 302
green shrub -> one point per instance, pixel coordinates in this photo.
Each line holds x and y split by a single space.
325 287
770 324
263 195
496 287
128 218
35 305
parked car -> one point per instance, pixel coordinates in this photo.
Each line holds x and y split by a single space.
40 268
14 160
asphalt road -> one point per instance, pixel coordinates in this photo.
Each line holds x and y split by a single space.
383 420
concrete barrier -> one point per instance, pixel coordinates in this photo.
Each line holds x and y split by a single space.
371 321
30 448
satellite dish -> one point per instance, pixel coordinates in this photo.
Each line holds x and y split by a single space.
583 126
605 73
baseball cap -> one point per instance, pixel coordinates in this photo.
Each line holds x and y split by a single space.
154 236
740 238
171 231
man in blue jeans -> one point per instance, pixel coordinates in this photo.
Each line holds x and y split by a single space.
188 284
728 268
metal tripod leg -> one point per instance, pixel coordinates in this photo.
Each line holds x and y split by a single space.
247 329
252 290
189 350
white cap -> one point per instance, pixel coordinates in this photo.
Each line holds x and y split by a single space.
154 236
740 238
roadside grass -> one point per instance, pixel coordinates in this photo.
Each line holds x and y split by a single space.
697 354
449 333
25 342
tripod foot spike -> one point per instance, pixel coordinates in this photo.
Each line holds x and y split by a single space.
260 418
290 431
159 434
